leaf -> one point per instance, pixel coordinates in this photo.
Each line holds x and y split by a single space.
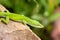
51 5
54 16
6 3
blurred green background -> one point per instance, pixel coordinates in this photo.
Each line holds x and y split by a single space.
40 10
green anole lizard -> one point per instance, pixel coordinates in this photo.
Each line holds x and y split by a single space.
5 16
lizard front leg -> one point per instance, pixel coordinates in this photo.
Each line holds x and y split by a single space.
5 20
24 22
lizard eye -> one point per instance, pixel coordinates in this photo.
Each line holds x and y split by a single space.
5 11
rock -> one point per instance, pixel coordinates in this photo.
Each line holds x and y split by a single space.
16 31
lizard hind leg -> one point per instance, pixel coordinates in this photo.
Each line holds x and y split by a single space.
5 20
24 22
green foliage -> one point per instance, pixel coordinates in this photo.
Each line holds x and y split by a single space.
41 10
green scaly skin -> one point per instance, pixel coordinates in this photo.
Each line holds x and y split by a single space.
19 18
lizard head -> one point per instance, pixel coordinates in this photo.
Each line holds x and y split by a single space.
35 24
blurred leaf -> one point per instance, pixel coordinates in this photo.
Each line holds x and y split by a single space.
44 3
58 1
46 13
24 6
36 8
51 5
45 21
6 2
38 17
54 16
